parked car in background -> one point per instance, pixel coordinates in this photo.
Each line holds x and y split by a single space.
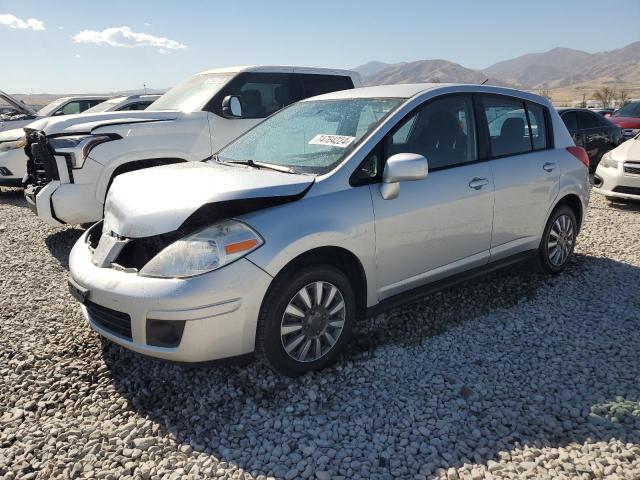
336 207
628 118
70 105
119 104
16 114
74 160
13 159
589 130
618 175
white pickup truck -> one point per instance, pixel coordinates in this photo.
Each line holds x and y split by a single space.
73 160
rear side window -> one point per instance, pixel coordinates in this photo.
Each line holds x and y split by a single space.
515 126
313 84
135 106
508 126
443 131
570 119
588 120
538 125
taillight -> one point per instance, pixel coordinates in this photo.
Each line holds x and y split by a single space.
580 153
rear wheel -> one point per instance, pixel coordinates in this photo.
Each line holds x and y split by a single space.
558 240
305 320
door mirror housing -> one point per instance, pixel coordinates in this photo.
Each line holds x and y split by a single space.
231 107
402 167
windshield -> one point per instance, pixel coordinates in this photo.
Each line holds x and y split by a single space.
311 136
48 109
629 110
193 94
105 106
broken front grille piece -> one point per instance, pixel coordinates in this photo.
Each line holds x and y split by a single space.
41 164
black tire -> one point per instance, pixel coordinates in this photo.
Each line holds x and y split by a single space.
545 258
269 343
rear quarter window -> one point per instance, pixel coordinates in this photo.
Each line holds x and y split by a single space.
314 84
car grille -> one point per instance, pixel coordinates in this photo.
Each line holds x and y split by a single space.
41 165
632 168
627 190
118 323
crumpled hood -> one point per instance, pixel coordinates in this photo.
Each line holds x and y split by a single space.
12 135
87 122
629 150
159 200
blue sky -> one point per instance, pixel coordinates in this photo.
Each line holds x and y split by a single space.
175 39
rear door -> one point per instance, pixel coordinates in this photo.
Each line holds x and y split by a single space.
440 225
525 171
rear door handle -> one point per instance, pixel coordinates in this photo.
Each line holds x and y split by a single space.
477 183
549 166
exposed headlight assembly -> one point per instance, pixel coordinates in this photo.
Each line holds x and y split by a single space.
78 147
204 251
6 146
608 162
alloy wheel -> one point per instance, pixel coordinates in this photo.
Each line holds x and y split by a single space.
313 321
560 241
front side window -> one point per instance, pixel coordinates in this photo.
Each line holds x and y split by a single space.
508 126
262 94
69 109
312 136
193 94
443 131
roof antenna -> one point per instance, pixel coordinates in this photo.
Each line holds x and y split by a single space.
485 81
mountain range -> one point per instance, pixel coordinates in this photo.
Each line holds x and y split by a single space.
556 68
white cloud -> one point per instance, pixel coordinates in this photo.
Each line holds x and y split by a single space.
125 37
147 24
60 28
164 51
14 22
77 55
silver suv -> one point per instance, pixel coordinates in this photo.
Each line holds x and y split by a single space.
335 207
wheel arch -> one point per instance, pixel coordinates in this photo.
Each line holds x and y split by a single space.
341 258
573 201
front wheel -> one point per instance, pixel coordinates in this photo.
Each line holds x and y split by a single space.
305 320
558 240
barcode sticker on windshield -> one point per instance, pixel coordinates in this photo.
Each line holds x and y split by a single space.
341 141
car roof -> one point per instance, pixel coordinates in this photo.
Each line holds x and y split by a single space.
407 90
279 69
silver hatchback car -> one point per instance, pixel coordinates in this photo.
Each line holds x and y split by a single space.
333 208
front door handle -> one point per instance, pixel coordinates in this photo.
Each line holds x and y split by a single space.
549 166
477 183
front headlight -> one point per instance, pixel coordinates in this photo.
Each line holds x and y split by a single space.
6 146
78 147
608 162
204 251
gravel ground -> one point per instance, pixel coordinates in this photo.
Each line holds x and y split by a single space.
514 375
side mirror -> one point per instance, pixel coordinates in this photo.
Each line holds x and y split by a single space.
231 107
402 167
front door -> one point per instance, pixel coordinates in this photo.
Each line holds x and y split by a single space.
442 224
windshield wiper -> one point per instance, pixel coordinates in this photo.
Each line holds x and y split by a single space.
259 165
